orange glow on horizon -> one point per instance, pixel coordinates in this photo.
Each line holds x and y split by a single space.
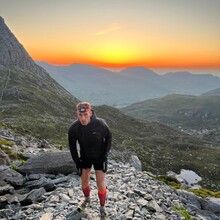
123 64
120 54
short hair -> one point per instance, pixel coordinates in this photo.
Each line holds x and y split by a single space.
83 106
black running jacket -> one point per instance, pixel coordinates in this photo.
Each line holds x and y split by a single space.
92 141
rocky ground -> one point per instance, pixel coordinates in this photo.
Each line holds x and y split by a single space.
132 194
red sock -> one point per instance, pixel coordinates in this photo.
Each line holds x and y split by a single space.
102 197
86 191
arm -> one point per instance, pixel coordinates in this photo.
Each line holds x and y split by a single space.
73 149
108 140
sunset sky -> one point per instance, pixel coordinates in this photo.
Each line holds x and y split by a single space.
118 33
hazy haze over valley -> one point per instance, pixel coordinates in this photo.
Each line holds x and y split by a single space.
101 86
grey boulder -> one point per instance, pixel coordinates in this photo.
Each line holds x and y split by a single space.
50 162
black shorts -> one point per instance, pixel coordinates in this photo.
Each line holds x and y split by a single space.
87 164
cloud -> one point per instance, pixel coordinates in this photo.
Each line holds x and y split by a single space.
110 28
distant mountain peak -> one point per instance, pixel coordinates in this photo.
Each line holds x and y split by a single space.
12 53
184 74
138 70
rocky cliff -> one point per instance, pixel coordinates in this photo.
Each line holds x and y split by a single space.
12 53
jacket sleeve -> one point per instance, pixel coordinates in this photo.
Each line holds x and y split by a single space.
73 148
108 140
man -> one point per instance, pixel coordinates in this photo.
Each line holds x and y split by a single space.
90 142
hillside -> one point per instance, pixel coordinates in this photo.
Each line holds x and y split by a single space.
199 113
159 147
214 92
35 104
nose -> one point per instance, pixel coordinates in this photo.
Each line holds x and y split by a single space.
83 117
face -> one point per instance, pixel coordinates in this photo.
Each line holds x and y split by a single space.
84 117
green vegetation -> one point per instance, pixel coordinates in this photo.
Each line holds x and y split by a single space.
23 162
14 167
2 125
205 193
183 212
116 159
170 181
5 142
12 154
38 106
21 157
61 147
198 112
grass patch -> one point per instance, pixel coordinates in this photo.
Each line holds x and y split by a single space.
61 147
13 155
183 212
205 192
5 142
3 125
170 181
14 167
23 162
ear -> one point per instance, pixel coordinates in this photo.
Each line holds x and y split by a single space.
90 113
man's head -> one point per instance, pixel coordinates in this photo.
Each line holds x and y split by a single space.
84 112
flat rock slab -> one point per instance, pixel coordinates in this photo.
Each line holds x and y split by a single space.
50 162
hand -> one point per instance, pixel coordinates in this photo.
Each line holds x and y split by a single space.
79 171
79 168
